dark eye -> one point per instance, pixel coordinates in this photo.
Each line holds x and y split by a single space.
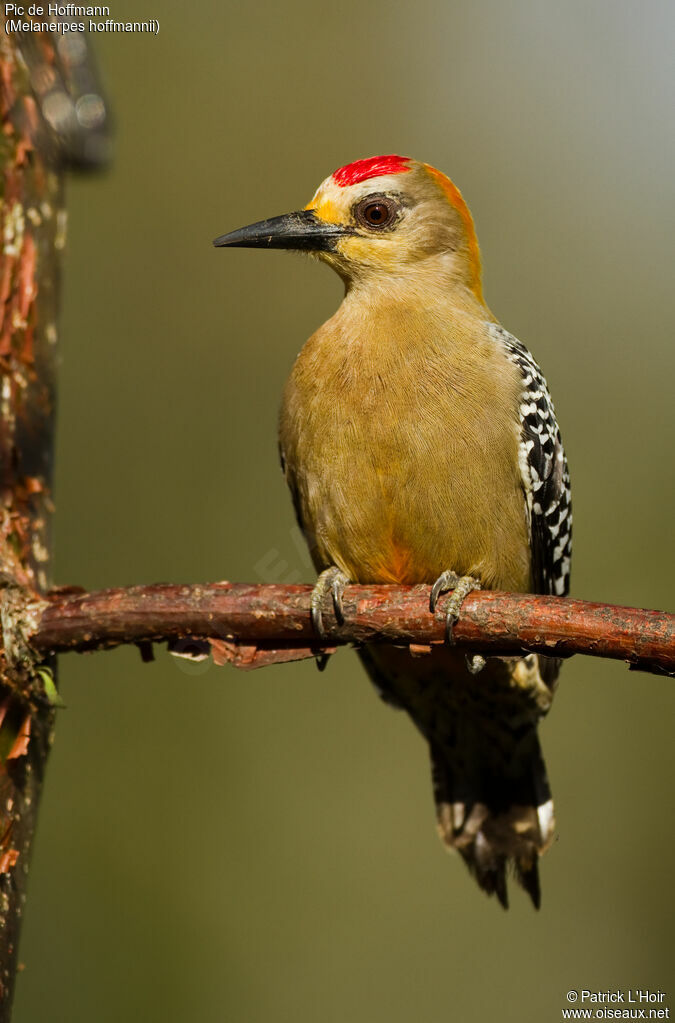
377 213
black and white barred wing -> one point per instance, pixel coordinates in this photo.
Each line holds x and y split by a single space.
546 480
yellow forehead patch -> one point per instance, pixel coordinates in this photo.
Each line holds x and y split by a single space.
325 210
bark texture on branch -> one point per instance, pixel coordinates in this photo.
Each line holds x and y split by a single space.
256 625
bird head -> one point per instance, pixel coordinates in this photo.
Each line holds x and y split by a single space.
380 217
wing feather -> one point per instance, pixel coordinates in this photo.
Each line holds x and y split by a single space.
545 476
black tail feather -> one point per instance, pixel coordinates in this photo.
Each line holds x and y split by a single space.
492 831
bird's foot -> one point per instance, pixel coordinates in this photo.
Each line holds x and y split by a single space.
475 663
461 587
333 581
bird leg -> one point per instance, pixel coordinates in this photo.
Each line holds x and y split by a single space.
461 587
333 580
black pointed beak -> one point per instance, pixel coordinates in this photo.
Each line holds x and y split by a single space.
301 230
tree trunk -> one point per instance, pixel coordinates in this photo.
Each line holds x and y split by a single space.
43 76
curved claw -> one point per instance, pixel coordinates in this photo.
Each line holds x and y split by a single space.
332 581
337 590
446 581
317 617
461 587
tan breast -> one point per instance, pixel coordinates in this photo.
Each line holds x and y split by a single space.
399 429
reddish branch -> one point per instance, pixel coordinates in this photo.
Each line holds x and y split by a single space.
258 625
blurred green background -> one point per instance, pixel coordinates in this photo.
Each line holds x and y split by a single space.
222 846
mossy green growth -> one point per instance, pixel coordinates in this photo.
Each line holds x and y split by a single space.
51 692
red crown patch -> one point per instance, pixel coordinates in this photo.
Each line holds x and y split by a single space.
373 167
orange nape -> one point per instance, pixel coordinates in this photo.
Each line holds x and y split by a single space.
456 200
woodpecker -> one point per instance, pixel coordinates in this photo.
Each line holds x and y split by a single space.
420 445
